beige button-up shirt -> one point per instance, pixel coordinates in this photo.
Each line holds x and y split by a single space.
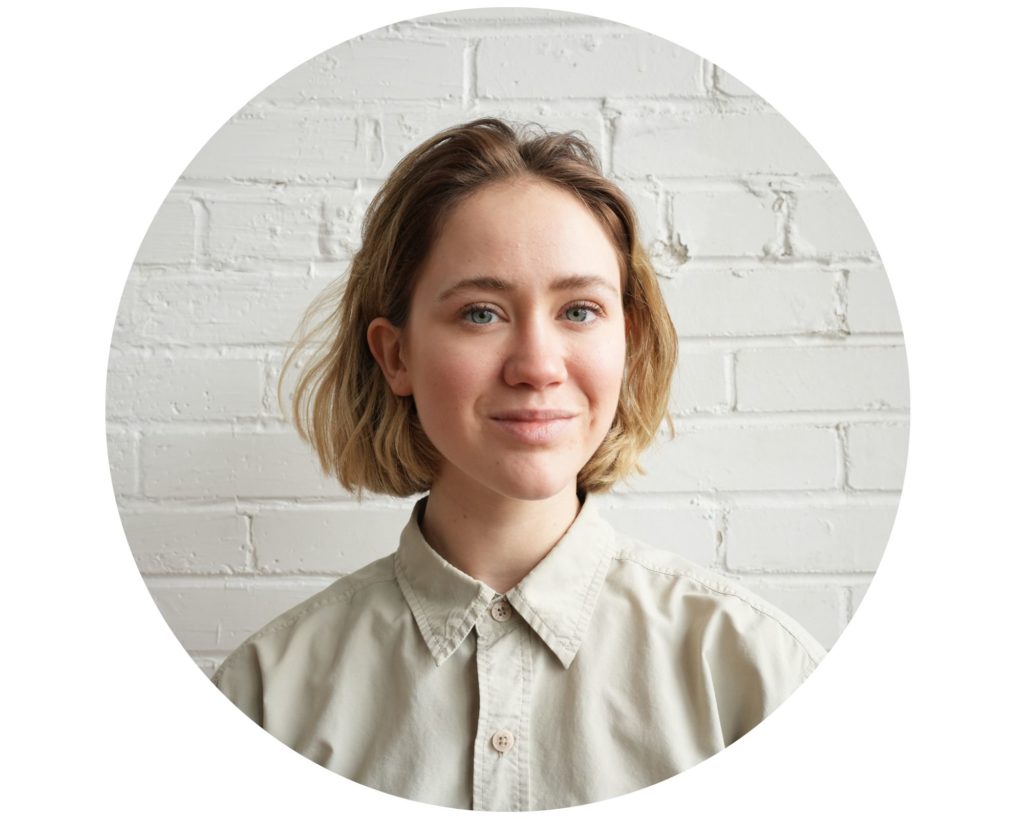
610 667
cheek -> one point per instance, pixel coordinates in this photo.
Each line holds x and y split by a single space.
448 380
602 370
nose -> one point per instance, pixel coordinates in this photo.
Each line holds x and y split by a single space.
536 356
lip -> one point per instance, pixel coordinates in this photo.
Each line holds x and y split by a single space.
534 427
533 415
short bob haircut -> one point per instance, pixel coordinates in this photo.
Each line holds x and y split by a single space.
371 439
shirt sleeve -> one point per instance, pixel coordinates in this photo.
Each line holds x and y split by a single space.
240 679
755 660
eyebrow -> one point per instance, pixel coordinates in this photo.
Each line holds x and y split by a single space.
573 282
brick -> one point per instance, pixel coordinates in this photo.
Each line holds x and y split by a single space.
343 221
870 304
751 301
223 464
728 144
283 410
821 378
171 235
727 223
218 616
699 384
122 452
325 541
707 459
877 455
221 309
599 64
123 333
280 145
644 198
818 608
808 538
857 592
179 387
827 223
375 68
268 229
186 540
726 83
688 531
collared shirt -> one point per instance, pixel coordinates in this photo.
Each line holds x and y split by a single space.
610 667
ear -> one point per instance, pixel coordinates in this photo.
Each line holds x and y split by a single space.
385 342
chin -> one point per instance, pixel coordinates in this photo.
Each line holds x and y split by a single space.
535 486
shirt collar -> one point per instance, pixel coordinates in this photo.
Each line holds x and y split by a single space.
556 599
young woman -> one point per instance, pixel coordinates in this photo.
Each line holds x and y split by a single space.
501 343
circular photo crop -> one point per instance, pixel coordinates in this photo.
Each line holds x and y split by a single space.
507 409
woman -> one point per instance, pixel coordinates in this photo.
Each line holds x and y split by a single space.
501 343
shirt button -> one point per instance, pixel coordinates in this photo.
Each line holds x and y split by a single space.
502 741
501 610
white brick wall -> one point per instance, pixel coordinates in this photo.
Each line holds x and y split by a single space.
824 537
747 299
715 458
672 141
328 541
427 67
814 378
877 455
588 65
753 216
198 464
791 394
187 540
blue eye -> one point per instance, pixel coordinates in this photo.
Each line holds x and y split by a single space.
480 315
580 313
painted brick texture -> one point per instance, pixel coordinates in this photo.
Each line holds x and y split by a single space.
790 401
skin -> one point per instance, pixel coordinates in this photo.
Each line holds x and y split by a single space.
502 497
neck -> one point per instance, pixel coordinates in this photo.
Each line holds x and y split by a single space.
491 537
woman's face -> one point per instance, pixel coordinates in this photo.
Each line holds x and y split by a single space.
516 340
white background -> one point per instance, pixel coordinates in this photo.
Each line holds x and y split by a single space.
917 708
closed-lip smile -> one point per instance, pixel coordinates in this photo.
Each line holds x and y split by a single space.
533 427
533 415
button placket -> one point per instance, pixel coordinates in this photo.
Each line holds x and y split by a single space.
501 759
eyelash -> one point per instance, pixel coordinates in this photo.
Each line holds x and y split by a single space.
576 305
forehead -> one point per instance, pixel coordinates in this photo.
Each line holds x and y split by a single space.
523 228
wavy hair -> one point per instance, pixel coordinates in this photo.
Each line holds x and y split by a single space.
371 439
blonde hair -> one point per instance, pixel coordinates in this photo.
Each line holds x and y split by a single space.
371 439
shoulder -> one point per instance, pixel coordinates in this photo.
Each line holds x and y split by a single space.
719 605
742 654
327 611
